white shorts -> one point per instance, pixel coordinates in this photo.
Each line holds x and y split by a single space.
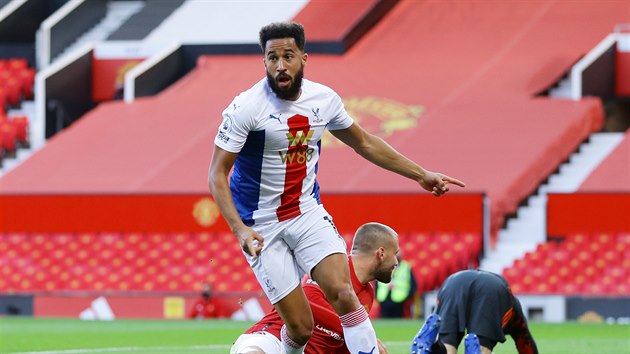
293 248
269 343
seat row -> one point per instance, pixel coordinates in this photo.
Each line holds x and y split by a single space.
16 81
181 261
16 84
596 264
13 134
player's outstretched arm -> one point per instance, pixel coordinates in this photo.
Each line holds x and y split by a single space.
222 161
380 153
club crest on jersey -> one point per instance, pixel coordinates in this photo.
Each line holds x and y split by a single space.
316 114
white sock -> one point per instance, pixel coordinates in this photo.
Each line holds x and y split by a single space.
289 346
358 332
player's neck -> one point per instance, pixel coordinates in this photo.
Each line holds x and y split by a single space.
362 269
294 98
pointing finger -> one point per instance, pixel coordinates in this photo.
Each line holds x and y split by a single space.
453 181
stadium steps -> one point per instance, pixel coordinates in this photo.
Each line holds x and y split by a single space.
528 229
118 12
143 22
562 90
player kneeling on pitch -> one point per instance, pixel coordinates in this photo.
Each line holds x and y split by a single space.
373 256
481 304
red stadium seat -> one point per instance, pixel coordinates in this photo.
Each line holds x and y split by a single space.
16 64
161 262
570 288
512 274
26 77
623 238
622 288
9 140
3 103
445 238
13 91
425 277
473 243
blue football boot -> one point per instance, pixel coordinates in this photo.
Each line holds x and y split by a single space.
471 344
427 335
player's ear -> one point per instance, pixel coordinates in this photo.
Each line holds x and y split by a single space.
304 58
380 253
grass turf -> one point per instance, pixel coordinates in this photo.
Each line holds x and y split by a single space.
71 336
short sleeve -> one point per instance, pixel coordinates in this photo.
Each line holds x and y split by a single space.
234 128
340 119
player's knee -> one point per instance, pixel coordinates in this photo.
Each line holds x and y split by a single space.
301 332
342 298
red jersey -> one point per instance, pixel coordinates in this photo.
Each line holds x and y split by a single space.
327 333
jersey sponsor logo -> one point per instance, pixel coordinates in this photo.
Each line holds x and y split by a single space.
300 138
297 155
298 152
333 334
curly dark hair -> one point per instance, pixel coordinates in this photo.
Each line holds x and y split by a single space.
282 30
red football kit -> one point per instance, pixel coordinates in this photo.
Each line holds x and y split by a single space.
327 333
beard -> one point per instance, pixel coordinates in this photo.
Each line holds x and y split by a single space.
383 275
290 92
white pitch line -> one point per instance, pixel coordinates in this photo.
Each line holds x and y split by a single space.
129 349
173 349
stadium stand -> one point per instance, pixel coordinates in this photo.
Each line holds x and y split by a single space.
595 260
206 250
582 264
434 78
468 97
177 262
122 262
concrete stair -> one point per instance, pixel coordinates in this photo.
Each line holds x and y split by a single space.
523 233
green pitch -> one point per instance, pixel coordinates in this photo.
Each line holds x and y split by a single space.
69 336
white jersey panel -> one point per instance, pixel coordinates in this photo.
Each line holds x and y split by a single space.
278 143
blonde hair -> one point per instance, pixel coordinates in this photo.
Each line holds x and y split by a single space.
371 236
